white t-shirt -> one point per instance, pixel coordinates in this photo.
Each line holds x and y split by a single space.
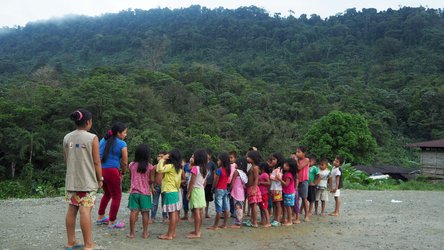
334 172
324 178
276 185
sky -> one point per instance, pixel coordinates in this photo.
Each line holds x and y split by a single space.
20 12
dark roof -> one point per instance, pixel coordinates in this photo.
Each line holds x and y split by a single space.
428 144
394 171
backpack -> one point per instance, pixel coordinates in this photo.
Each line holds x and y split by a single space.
243 176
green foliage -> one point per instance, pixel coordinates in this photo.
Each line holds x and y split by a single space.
343 134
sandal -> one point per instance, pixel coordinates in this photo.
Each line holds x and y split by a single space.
275 224
104 220
117 224
76 246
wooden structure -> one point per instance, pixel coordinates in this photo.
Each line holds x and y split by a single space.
432 158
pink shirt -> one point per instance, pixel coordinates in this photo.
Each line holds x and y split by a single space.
140 182
199 180
233 168
303 173
263 188
290 188
238 191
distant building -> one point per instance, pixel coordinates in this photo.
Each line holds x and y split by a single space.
432 158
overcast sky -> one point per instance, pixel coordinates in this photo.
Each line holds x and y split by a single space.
19 12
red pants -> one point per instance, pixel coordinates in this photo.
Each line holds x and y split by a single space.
112 186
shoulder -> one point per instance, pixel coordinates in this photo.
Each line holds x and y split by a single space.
121 143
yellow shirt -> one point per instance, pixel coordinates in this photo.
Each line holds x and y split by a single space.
171 179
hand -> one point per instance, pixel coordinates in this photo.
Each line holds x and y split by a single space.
333 191
188 195
100 184
191 161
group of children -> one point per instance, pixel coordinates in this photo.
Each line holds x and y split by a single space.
238 186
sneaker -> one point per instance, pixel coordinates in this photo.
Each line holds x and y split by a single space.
117 224
275 224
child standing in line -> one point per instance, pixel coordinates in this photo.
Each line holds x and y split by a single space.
233 158
322 191
196 190
211 168
171 168
220 186
142 174
276 163
157 192
313 180
288 189
237 190
253 191
264 185
186 175
336 183
296 208
303 166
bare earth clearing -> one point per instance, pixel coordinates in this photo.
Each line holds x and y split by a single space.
369 220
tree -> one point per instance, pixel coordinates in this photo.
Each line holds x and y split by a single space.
343 134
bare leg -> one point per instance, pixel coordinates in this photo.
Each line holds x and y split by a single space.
197 212
206 210
253 214
171 227
266 220
305 204
288 219
323 208
316 207
337 206
132 221
70 222
86 226
226 215
216 222
145 222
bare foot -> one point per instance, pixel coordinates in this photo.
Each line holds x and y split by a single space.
267 225
146 235
307 219
223 227
193 236
235 226
164 237
194 232
333 214
151 222
184 218
296 222
212 228
130 236
323 214
287 224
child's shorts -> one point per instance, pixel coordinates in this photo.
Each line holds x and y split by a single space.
139 202
276 195
256 198
303 189
289 200
80 198
264 204
321 195
337 193
311 194
209 193
221 202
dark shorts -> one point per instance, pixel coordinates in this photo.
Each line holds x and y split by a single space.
311 194
209 196
303 189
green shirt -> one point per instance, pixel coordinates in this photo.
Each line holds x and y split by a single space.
312 173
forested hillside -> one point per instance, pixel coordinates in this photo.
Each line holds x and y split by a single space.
223 79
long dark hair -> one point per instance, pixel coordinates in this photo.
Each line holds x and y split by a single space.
263 166
80 117
293 167
242 164
280 159
175 159
142 157
201 159
255 156
110 138
225 159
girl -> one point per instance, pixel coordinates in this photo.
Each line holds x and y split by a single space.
237 190
220 185
114 157
276 162
303 166
171 167
264 184
142 174
288 189
83 177
196 189
253 192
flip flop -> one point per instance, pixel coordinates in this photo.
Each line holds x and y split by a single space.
117 224
75 247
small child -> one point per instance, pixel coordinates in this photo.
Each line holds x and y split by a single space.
322 191
288 189
142 174
336 183
233 158
220 185
303 164
264 185
313 180
237 190
276 187
253 191
186 175
196 189
157 192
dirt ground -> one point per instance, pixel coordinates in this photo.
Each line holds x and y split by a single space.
369 220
